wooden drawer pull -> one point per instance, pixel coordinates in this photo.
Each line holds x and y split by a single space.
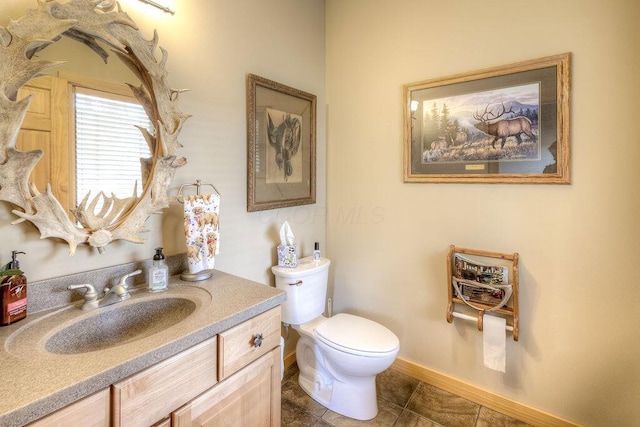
257 340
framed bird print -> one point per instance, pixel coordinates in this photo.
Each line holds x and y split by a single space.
281 149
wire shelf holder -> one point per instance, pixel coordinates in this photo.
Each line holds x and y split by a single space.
510 311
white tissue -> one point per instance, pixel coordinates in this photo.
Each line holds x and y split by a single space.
287 250
494 342
286 234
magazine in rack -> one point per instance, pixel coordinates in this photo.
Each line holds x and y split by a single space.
468 272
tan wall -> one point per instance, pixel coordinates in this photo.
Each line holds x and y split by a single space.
212 46
578 351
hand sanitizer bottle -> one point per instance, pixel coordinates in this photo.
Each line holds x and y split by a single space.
158 276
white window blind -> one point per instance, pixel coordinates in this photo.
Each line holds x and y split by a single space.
108 145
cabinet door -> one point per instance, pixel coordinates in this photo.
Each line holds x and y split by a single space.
248 398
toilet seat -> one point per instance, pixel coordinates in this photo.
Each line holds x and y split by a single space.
356 335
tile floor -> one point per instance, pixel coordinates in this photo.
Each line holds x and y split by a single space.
402 402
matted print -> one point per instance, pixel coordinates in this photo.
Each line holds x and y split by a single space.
281 145
507 124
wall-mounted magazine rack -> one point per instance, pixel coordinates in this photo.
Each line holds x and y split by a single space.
486 282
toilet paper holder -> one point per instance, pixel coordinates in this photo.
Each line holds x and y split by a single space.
485 285
479 320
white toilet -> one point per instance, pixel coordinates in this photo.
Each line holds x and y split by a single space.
338 357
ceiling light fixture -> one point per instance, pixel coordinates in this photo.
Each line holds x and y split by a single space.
159 6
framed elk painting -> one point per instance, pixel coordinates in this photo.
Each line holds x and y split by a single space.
507 124
281 156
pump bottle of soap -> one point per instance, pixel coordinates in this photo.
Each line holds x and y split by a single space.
158 277
13 292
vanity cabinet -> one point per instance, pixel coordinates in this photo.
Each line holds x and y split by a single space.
230 379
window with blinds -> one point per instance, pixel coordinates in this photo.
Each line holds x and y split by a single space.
108 145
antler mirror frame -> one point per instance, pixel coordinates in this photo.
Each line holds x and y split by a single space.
96 23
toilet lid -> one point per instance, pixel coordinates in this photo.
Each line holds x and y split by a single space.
357 334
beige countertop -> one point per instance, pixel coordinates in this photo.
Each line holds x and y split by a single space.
37 382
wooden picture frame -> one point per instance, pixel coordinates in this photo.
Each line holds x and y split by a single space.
281 149
507 124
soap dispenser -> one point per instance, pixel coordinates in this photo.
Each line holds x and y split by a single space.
13 292
158 276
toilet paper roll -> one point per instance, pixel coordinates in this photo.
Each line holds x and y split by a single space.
495 342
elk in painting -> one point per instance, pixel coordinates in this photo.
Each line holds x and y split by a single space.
503 128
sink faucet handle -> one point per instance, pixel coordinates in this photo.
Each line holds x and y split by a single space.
89 288
90 293
123 280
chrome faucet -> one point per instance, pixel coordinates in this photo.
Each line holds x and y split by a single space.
119 292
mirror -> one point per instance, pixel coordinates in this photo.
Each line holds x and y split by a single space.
102 28
102 149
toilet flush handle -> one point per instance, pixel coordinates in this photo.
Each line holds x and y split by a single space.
296 283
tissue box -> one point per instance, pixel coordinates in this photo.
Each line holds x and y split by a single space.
287 255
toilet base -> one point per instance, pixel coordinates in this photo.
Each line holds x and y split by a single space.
355 400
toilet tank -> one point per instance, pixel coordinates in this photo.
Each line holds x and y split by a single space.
306 288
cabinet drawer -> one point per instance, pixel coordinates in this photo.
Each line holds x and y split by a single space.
241 344
92 411
152 394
